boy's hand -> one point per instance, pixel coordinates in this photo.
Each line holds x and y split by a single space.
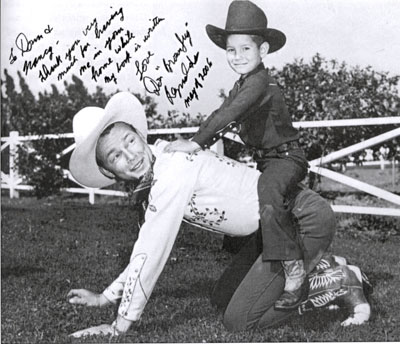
182 145
87 298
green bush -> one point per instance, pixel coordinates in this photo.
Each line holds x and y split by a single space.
52 112
38 164
327 90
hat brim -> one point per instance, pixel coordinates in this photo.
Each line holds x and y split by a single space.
275 38
122 107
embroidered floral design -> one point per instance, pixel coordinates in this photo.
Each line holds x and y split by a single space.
190 156
133 281
226 160
193 223
208 217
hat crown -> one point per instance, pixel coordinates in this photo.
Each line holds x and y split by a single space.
244 15
85 121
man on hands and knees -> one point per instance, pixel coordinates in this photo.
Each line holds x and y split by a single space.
111 145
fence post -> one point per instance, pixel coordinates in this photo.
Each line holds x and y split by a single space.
393 174
382 160
13 155
91 196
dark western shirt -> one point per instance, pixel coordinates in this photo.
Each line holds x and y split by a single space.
257 106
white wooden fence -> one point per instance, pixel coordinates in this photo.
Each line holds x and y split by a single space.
13 182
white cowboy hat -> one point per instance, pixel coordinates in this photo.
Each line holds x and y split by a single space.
89 123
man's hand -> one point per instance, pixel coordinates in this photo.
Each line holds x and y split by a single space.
87 298
118 327
103 329
182 145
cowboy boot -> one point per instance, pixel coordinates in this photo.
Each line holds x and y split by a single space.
296 285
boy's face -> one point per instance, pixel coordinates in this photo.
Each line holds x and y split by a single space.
243 54
124 153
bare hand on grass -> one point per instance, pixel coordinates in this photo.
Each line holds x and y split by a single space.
86 298
103 329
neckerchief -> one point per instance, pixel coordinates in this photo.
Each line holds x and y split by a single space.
139 192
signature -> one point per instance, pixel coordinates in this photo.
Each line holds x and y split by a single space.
173 92
153 85
193 92
182 49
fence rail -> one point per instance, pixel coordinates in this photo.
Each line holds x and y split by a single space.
13 182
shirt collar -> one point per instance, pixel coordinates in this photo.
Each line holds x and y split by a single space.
146 181
259 68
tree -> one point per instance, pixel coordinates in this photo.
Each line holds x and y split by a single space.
325 90
317 90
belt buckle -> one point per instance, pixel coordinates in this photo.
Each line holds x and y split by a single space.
284 147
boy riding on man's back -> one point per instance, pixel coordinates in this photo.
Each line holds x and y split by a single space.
256 108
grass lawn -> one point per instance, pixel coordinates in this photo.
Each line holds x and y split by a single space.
52 245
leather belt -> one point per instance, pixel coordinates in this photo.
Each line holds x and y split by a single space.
284 147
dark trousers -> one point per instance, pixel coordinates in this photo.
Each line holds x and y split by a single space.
249 287
281 173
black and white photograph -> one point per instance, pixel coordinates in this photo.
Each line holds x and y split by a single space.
200 171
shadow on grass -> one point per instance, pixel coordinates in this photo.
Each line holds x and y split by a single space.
19 270
376 276
199 288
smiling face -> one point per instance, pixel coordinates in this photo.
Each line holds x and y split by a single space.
243 54
123 152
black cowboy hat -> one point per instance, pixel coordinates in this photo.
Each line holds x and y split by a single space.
244 17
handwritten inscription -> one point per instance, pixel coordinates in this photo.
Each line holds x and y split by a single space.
32 64
124 41
106 48
25 45
47 71
193 92
71 49
96 72
155 22
141 67
173 92
98 31
67 69
124 62
168 64
110 39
